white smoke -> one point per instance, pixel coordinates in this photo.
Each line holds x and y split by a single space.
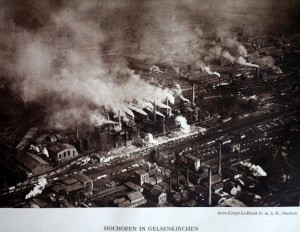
72 74
45 151
38 188
35 148
179 93
185 128
242 61
170 98
207 69
138 110
256 169
233 43
127 111
228 56
159 113
155 68
98 119
151 139
162 105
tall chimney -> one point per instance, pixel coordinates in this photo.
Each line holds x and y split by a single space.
77 135
164 128
220 160
119 119
167 108
177 180
138 133
79 145
196 114
209 186
193 98
154 112
170 182
187 176
119 139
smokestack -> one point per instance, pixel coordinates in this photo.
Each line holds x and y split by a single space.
177 180
177 159
193 98
77 135
187 176
154 112
167 108
138 133
79 145
209 186
86 144
220 160
119 117
127 136
170 182
196 114
257 73
119 140
164 128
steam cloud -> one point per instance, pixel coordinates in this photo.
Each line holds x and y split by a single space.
256 169
184 127
151 139
62 53
38 188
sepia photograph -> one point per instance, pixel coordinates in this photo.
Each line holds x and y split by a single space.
149 103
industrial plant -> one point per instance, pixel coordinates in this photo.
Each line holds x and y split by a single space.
166 106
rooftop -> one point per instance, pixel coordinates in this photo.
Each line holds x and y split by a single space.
81 177
31 161
133 186
141 172
194 158
156 192
58 147
133 196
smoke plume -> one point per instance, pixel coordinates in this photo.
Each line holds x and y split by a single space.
151 139
67 55
184 127
38 188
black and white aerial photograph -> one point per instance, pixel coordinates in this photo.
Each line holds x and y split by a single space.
149 103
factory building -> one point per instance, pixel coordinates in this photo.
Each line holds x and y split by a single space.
191 161
75 189
102 137
141 177
62 152
32 164
28 137
131 200
157 195
133 186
